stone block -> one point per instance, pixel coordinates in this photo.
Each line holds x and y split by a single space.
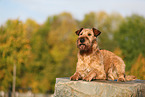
99 88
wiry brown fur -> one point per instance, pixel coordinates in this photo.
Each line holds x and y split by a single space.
94 63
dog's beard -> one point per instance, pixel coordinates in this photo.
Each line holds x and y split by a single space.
84 47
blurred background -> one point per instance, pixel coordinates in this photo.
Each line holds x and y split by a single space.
38 41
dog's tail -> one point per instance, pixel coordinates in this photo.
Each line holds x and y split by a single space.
130 77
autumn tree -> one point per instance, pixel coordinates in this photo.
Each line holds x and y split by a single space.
130 38
14 49
62 41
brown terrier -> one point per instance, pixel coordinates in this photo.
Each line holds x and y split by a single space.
94 63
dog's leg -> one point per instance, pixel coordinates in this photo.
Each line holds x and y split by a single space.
76 76
90 76
110 76
93 73
121 72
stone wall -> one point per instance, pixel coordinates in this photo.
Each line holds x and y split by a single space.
66 88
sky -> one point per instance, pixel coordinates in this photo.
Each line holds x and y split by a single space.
39 10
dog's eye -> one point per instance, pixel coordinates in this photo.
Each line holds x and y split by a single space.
89 34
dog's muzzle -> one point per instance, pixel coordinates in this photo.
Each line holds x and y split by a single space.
82 43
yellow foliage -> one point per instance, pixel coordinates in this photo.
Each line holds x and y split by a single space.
34 86
15 49
138 68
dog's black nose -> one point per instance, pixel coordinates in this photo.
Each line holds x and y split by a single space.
82 40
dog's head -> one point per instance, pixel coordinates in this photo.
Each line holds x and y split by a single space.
86 38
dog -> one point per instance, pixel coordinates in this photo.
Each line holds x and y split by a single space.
94 63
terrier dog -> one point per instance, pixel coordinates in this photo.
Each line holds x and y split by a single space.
94 63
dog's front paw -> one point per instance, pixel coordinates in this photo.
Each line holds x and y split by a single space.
74 77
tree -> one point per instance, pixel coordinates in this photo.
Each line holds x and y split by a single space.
14 49
131 37
61 39
53 51
40 56
31 27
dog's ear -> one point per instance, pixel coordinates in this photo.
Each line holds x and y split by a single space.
78 31
96 32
